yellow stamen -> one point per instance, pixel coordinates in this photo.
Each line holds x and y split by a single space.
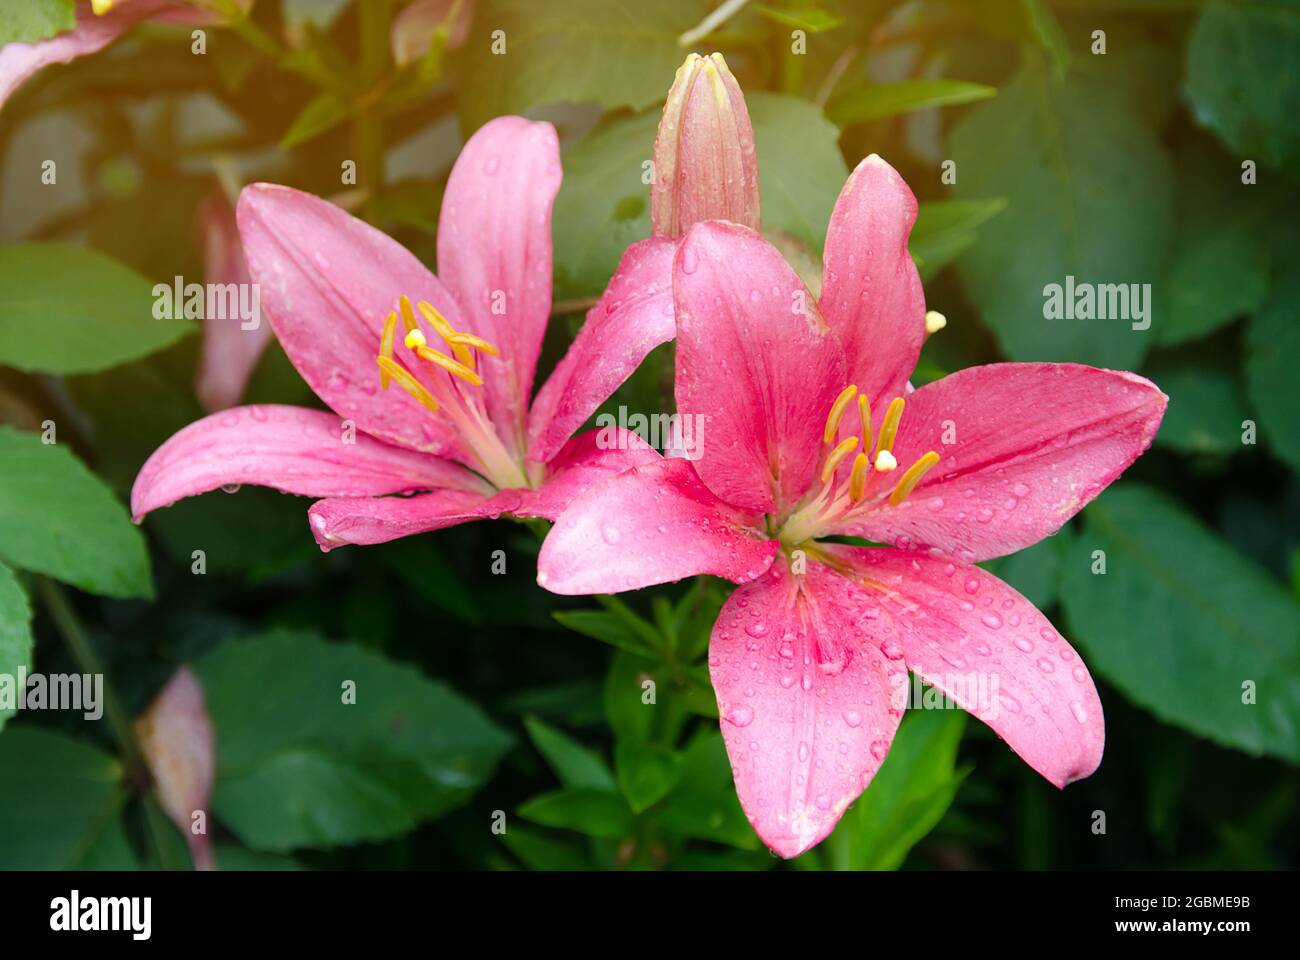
408 315
885 461
414 339
889 429
436 319
446 331
101 7
837 411
478 343
911 477
858 478
386 346
864 414
934 321
407 382
450 365
846 446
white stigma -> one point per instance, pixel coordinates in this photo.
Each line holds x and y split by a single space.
885 461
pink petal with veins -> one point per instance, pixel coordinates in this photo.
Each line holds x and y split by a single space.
967 633
651 524
494 254
292 449
327 282
755 358
1033 443
871 291
587 459
808 703
340 521
634 316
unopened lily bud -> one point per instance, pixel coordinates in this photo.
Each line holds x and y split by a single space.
705 165
176 738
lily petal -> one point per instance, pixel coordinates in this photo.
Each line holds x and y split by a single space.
294 449
494 253
1032 444
651 524
967 633
871 291
230 353
585 460
755 358
807 705
634 316
20 61
327 282
340 521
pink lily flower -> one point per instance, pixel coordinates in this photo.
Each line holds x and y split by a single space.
99 23
458 433
809 421
230 353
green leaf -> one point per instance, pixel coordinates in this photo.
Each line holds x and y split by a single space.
604 626
704 803
1206 407
1181 622
618 53
800 168
26 21
603 205
540 852
578 767
1272 345
646 773
628 715
299 767
324 113
1242 78
880 100
593 812
945 229
68 309
811 19
59 802
1049 149
1219 269
15 631
908 795
58 518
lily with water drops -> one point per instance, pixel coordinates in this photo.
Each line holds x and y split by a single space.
429 377
814 434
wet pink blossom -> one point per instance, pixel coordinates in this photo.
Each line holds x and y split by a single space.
813 433
429 377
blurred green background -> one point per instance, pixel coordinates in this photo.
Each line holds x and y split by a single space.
479 693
